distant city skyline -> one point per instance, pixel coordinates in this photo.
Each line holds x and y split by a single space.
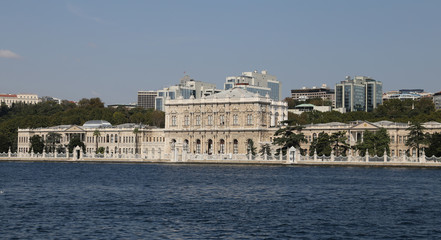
107 49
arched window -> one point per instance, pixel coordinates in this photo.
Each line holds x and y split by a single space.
173 144
198 146
210 146
222 146
185 147
235 146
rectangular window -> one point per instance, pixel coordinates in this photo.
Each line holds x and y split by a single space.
173 123
249 119
210 120
186 120
221 120
198 120
235 119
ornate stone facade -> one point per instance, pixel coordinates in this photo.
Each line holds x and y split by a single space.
354 132
222 123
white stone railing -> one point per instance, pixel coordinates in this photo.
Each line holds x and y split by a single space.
293 156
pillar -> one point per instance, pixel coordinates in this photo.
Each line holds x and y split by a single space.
367 155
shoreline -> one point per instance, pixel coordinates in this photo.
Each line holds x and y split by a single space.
237 162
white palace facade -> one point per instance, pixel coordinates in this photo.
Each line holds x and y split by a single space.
222 123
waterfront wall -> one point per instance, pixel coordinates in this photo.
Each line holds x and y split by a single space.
292 157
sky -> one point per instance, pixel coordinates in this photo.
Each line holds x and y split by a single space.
113 49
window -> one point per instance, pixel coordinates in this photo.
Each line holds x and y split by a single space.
221 120
235 146
173 123
222 146
235 119
210 120
186 120
185 146
198 146
198 120
249 119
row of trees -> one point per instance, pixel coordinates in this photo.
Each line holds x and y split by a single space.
374 142
49 113
395 110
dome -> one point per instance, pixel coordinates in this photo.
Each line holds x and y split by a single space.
97 124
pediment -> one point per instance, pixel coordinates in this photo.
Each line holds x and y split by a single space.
235 109
209 110
74 128
197 110
364 126
222 109
249 109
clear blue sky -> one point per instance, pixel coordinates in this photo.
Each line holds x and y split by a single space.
112 49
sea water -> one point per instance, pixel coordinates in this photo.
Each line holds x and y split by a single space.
154 201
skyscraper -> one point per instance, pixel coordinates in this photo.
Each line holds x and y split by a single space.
261 83
358 94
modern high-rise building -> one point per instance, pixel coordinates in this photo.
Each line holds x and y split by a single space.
261 83
186 88
146 99
437 100
358 94
323 92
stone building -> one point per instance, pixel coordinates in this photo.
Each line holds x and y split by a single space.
10 99
120 139
223 123
354 132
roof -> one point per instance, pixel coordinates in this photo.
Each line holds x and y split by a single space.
233 93
97 124
8 95
305 105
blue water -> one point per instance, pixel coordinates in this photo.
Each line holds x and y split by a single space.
137 201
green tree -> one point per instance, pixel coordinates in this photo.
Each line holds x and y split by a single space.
416 136
4 143
37 144
76 141
265 148
250 147
96 134
119 118
321 145
136 131
434 145
338 143
101 150
52 139
286 137
375 142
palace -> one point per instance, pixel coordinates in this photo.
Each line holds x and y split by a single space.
223 123
354 132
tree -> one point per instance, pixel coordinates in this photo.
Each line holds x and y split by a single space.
136 131
338 143
76 141
374 142
265 148
101 150
119 118
37 144
286 137
96 134
52 139
4 143
416 136
434 142
321 145
250 147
